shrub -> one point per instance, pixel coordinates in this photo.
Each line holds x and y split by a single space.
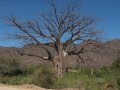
116 64
102 72
9 67
118 82
86 71
29 69
4 80
44 77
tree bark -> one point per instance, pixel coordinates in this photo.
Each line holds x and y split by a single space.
60 63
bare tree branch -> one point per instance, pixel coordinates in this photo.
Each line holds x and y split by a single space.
59 29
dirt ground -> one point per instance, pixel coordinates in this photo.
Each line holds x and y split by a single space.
23 87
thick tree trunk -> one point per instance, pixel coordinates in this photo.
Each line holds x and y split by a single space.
60 63
57 66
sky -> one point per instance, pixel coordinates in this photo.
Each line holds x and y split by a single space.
106 11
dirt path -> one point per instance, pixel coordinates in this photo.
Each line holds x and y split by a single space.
23 87
9 88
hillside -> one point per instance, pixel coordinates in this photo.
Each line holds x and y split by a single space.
105 56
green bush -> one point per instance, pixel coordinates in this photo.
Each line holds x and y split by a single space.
86 71
116 64
4 80
9 67
118 82
102 72
29 69
44 77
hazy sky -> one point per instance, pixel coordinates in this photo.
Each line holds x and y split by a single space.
106 11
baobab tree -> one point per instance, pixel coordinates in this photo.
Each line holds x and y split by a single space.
58 29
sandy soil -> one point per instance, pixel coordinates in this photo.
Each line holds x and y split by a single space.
26 87
23 87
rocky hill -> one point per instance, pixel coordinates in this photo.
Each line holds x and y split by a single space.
107 54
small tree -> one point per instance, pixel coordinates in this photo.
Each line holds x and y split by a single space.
58 29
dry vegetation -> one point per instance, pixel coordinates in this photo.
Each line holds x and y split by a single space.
43 76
